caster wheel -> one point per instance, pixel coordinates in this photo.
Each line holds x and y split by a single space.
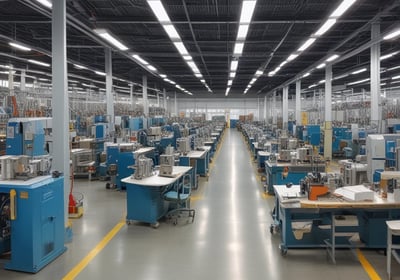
108 186
283 250
155 225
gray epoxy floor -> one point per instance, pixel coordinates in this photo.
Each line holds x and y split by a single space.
229 239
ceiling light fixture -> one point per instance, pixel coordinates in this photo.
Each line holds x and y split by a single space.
313 85
46 3
230 82
392 34
80 66
198 75
234 65
322 65
227 91
187 57
232 75
159 10
306 74
181 48
359 71
389 55
242 32
238 49
107 36
163 76
141 60
171 31
38 62
343 7
151 68
332 58
325 27
259 72
358 82
100 73
396 77
292 57
20 47
247 11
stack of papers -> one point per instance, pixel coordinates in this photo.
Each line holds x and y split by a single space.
356 193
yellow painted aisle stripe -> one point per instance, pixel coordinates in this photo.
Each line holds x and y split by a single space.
367 266
92 254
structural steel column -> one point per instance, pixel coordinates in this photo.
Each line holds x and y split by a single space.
23 80
375 75
109 93
175 105
328 113
265 108
165 100
298 102
285 107
145 101
11 80
131 97
60 98
273 109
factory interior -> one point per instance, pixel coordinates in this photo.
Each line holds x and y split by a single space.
188 139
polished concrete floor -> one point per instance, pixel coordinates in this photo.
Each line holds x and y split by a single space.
229 239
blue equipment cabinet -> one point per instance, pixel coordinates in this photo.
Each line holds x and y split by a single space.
36 221
26 136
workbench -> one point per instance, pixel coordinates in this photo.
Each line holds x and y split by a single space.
274 172
307 224
145 197
198 159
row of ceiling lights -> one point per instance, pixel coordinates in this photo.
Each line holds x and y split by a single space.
246 14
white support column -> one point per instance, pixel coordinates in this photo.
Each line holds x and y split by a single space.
285 107
158 99
175 105
109 93
273 109
131 97
375 76
11 80
145 101
60 98
23 80
328 113
265 108
258 109
165 100
298 102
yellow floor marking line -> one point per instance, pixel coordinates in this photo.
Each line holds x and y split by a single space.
367 266
93 253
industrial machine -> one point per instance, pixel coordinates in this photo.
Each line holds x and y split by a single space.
32 221
353 173
183 145
24 167
314 185
83 162
167 162
28 136
143 167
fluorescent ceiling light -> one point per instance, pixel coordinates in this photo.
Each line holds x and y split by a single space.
232 74
277 69
229 82
253 81
141 60
341 76
80 66
151 68
311 86
181 48
325 27
359 71
107 36
292 57
171 31
272 73
158 10
238 48
322 65
393 68
242 32
396 77
321 82
169 81
187 57
382 84
100 73
18 46
306 74
227 91
46 3
234 65
332 58
343 7
163 75
5 66
358 82
203 81
283 63
306 44
247 11
44 79
189 93
392 34
259 72
38 62
389 55
198 75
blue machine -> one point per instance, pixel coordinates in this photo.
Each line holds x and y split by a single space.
340 134
314 135
26 136
33 230
135 124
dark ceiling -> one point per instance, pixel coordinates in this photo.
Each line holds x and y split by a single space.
278 28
